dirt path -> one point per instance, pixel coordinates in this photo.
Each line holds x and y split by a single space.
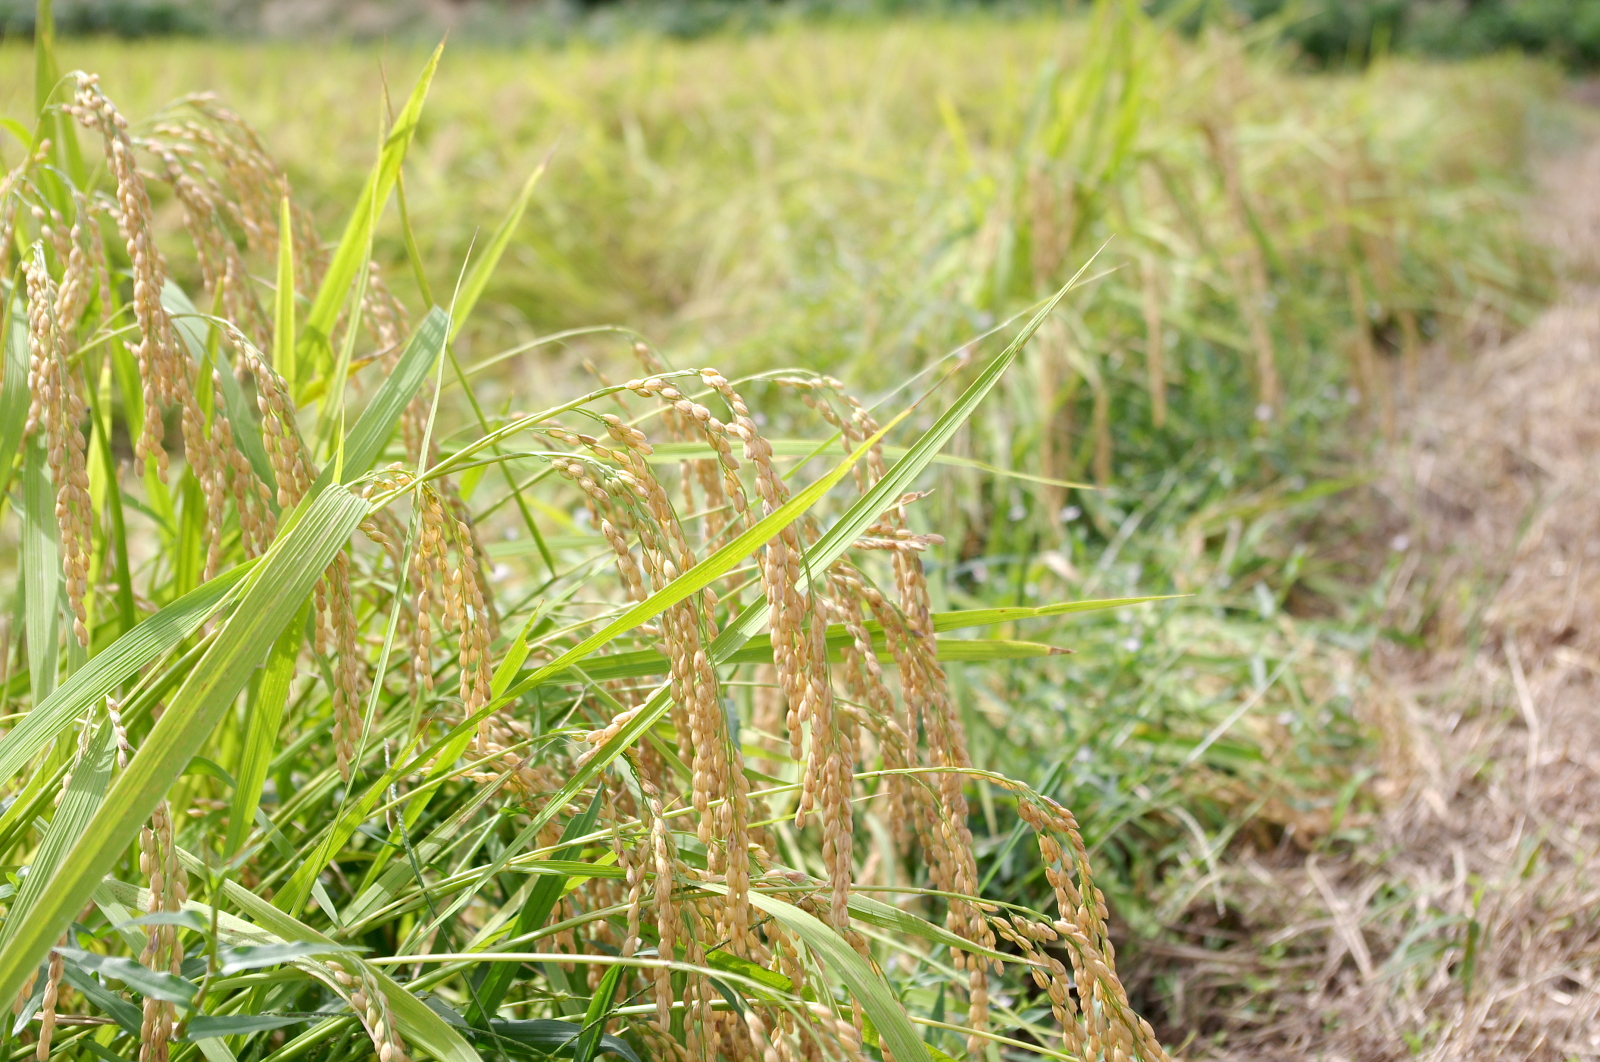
1465 922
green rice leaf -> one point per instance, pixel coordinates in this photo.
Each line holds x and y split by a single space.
315 351
670 453
594 1019
283 353
13 387
276 589
477 277
117 663
541 901
396 876
988 617
41 571
886 916
18 130
758 650
254 957
206 1026
896 481
703 574
418 1024
865 986
365 442
241 411
186 919
263 717
125 1014
137 976
556 1038
718 959
91 772
648 715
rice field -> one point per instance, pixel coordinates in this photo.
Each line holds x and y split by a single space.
791 547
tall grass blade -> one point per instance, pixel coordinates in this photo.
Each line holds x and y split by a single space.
241 411
283 325
315 350
420 1025
541 901
45 71
264 715
13 388
110 668
53 125
865 986
955 650
365 442
266 926
897 480
82 798
41 571
477 277
709 570
594 1019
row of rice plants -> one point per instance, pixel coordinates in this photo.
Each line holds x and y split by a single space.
406 773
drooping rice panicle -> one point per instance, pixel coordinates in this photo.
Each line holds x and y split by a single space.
57 407
163 369
47 1007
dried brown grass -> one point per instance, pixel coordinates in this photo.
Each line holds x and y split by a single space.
1460 919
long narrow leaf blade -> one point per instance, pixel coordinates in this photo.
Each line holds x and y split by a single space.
13 389
866 987
84 793
896 481
365 442
41 570
478 277
704 573
283 353
316 344
115 665
278 587
956 650
241 415
261 733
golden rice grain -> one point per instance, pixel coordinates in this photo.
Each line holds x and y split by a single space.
47 1008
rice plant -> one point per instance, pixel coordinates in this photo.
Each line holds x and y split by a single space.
294 773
